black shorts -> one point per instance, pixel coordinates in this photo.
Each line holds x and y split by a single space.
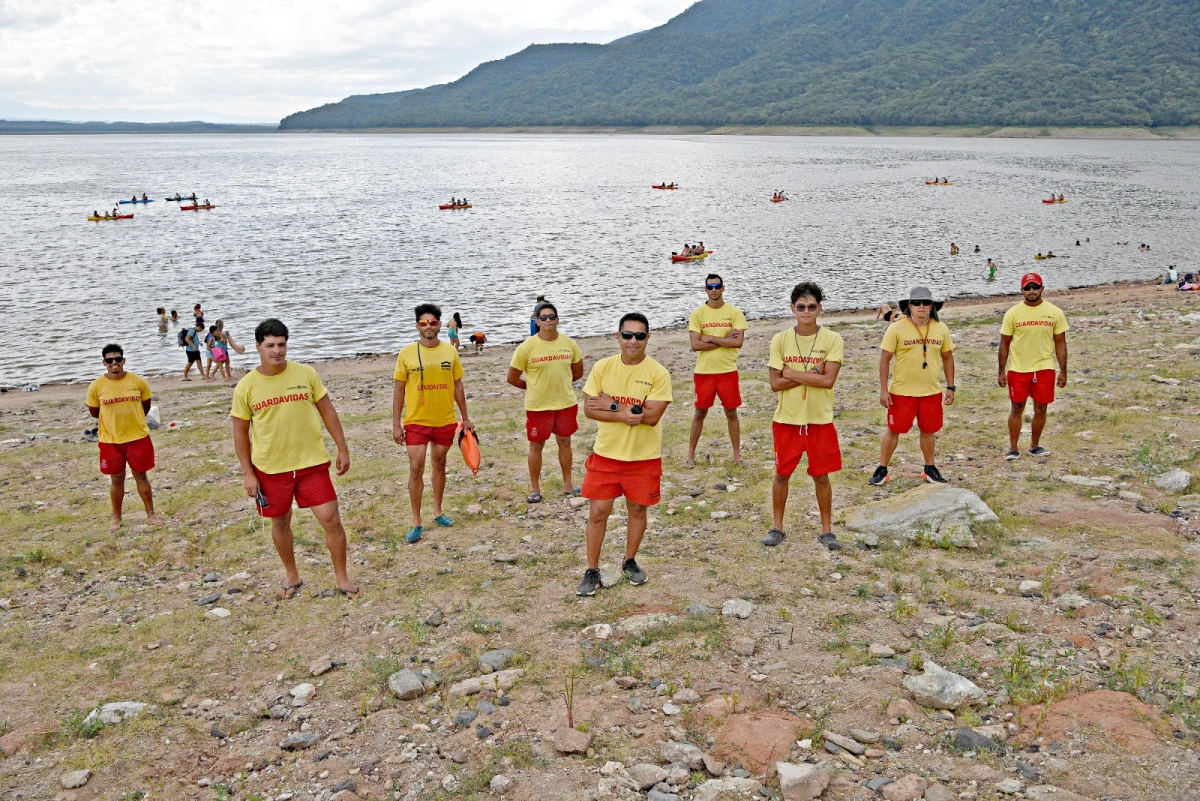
193 356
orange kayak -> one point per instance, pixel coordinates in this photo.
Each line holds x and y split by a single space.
778 199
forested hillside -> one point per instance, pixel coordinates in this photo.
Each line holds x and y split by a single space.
834 62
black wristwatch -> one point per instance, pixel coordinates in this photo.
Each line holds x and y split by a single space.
951 388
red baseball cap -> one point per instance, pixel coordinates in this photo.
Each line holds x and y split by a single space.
1031 278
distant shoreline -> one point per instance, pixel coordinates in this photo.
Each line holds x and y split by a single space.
1165 134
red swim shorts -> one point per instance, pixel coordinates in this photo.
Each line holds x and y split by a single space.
710 386
559 422
1039 386
608 478
311 486
423 435
819 441
139 455
927 410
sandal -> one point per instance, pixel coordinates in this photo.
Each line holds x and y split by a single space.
351 594
575 493
289 590
413 534
535 497
444 521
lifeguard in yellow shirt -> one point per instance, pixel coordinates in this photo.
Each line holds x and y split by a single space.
551 362
428 383
717 331
120 400
804 365
922 350
1034 334
278 409
626 395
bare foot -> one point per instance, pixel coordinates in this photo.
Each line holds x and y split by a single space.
290 590
152 520
351 593
689 463
116 524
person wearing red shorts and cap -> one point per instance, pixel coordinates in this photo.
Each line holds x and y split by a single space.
626 395
120 400
717 331
804 365
428 384
278 409
1032 336
551 363
922 349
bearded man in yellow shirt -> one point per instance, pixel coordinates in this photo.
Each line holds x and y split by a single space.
717 331
551 363
120 400
626 395
921 346
1034 334
278 409
428 383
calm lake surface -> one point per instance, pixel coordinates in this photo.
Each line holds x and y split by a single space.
340 235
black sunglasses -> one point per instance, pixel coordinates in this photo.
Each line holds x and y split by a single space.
713 286
807 306
113 359
548 318
920 303
638 335
1031 286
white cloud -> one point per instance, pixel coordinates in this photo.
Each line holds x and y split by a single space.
263 61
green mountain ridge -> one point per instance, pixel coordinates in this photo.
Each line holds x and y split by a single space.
833 62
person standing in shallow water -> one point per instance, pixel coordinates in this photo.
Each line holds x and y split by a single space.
717 331
627 395
551 362
278 409
804 365
120 400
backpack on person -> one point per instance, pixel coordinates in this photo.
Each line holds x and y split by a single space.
182 336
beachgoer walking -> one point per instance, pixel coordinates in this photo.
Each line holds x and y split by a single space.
804 365
717 331
211 346
428 384
120 400
922 350
551 362
278 409
991 265
192 341
627 394
1034 333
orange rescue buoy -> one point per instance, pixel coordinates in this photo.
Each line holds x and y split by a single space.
468 443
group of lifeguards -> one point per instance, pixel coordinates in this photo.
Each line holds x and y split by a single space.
280 407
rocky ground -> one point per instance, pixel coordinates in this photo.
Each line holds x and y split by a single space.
1031 634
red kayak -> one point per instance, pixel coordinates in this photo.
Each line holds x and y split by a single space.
778 199
194 208
697 257
448 206
664 186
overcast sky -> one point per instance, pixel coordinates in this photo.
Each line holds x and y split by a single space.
252 60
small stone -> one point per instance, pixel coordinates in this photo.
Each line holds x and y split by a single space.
938 792
572 741
435 618
686 753
671 709
217 613
497 660
657 795
626 682
500 680
1141 633
483 732
321 666
1030 587
111 714
597 631
802 782
907 788
506 558
486 707
646 775
502 784
942 689
891 743
209 578
864 736
302 694
76 778
846 743
699 609
299 741
1009 786
578 503
1070 600
744 646
738 607
450 783
635 704
880 651
212 598
346 785
406 684
878 783
215 732
465 718
967 739
686 696
610 576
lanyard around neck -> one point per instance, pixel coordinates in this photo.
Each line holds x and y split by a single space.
924 341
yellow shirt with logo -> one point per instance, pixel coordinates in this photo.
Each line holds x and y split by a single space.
428 375
547 369
1032 329
629 384
717 323
912 347
285 426
122 418
801 406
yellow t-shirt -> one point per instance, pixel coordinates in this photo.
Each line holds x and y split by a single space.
1032 329
912 347
428 375
717 323
627 385
122 418
801 406
285 426
547 369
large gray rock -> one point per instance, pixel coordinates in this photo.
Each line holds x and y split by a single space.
572 741
941 689
646 775
1174 481
801 782
111 714
640 624
406 684
687 753
737 607
498 659
299 741
935 512
76 778
501 679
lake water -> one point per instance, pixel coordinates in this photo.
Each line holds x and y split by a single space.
340 235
